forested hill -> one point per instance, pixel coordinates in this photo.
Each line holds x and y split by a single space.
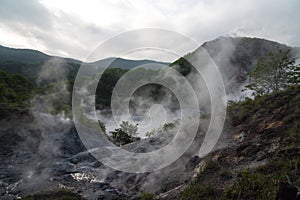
235 57
15 90
29 62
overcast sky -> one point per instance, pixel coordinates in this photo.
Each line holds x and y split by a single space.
72 28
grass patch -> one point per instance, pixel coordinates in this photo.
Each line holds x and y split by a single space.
146 196
197 191
262 183
288 99
211 165
225 174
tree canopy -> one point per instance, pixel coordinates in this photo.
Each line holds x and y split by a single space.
15 90
126 134
274 72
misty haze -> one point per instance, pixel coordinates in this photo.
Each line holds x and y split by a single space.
145 100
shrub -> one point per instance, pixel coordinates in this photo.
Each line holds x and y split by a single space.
262 183
197 191
168 126
125 135
225 174
211 165
251 185
146 196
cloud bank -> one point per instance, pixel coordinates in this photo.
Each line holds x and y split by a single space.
74 28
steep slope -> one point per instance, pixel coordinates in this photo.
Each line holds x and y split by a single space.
235 58
262 159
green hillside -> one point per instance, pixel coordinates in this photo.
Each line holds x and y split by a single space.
15 90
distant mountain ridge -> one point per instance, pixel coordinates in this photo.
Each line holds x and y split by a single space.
125 63
235 56
29 62
8 54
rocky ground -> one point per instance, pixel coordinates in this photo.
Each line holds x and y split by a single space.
42 155
262 161
257 158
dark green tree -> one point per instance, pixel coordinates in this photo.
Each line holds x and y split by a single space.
120 137
15 90
128 128
125 135
274 72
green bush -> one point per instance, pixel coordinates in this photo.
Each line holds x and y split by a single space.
196 191
168 126
211 165
125 135
146 196
262 183
252 185
225 174
239 112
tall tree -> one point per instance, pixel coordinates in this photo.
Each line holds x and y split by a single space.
273 72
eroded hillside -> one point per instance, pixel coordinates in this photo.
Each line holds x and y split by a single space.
263 154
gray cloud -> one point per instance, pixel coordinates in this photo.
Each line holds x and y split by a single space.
74 29
29 12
